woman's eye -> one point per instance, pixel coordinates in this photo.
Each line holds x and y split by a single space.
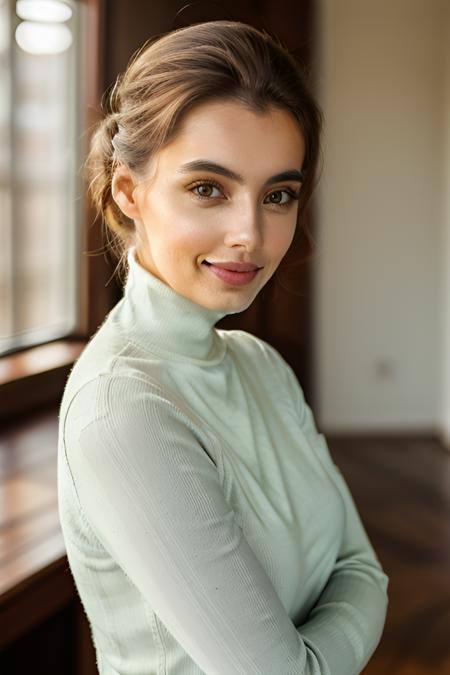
281 197
206 191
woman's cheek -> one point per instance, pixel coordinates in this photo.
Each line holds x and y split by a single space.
282 236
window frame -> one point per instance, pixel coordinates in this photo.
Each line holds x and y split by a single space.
34 377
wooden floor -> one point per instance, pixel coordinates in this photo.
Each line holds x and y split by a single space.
402 491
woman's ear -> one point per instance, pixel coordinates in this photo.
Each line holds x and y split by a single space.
123 192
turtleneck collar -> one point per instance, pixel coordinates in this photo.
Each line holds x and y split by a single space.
165 323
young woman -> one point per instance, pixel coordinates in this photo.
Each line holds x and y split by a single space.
207 528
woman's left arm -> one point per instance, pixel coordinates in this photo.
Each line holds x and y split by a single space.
347 621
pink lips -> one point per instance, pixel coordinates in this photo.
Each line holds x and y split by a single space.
235 266
235 273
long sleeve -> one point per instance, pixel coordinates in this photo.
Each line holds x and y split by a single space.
347 621
150 488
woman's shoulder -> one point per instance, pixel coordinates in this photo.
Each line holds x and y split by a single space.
109 365
240 340
130 413
109 374
263 360
128 392
240 344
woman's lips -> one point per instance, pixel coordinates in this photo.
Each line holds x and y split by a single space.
236 274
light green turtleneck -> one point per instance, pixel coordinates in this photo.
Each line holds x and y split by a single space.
207 528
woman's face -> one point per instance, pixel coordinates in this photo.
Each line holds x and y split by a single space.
219 210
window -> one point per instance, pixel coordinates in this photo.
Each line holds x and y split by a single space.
39 166
56 283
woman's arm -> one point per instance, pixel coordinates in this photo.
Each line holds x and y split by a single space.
154 498
347 621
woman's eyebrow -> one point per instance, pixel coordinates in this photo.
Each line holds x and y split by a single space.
213 167
290 174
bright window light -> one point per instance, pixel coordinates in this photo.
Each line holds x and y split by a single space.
43 10
43 38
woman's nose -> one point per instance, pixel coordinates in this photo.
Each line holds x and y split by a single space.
245 229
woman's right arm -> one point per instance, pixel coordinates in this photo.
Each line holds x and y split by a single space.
153 495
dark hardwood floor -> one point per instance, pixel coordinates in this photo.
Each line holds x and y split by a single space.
402 490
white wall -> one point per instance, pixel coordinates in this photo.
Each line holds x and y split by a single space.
380 274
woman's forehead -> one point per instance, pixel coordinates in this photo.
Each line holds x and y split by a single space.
231 135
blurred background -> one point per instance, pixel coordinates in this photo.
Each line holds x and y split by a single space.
363 318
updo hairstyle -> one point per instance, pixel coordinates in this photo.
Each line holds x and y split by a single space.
217 60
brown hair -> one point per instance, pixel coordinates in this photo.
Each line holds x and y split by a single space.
170 75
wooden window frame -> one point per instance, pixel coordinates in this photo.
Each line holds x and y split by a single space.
35 377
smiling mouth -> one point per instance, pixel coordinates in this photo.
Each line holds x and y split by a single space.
233 277
234 266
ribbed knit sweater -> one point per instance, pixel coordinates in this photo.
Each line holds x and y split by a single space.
207 528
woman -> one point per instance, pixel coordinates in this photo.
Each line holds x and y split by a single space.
207 528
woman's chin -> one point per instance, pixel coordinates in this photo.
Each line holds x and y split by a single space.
236 305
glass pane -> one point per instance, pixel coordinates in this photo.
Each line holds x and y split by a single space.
6 324
43 181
